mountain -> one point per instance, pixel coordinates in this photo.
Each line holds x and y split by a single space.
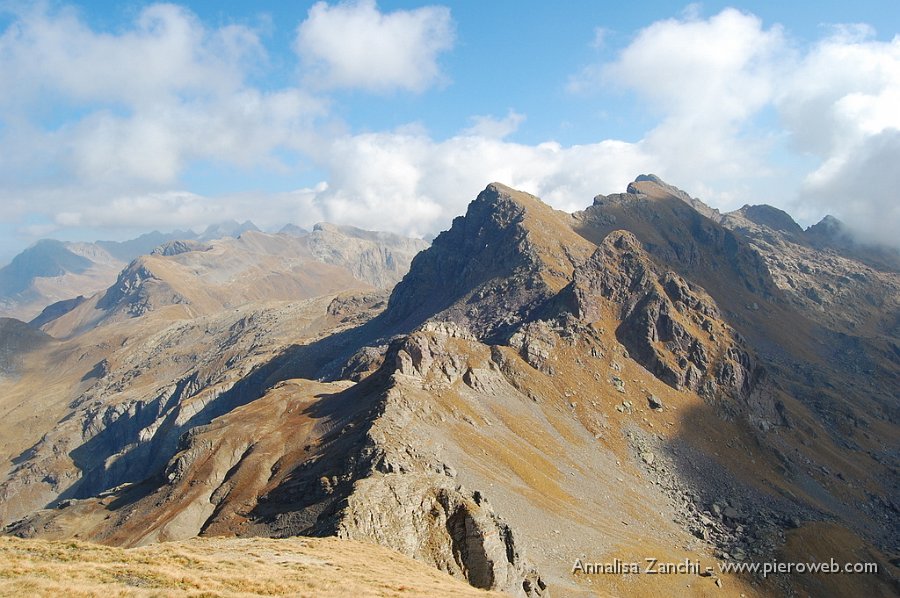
125 251
293 229
540 389
849 288
17 339
227 228
45 272
45 258
51 274
379 258
53 271
186 279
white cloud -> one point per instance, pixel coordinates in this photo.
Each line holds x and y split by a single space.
495 128
142 104
166 51
354 45
707 79
720 68
138 105
169 210
412 184
841 106
713 81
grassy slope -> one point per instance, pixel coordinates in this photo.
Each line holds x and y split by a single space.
219 567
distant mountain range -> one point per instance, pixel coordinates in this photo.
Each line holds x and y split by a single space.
52 271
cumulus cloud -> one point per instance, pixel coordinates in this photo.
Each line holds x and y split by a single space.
402 181
355 45
139 105
705 79
841 106
413 184
712 83
496 128
167 51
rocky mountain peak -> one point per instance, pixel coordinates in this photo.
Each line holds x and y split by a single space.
227 228
378 258
534 371
829 231
46 258
293 230
653 186
765 215
507 255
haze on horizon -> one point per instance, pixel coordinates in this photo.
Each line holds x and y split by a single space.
117 121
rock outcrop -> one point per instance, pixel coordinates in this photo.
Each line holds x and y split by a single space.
437 522
671 327
493 270
180 246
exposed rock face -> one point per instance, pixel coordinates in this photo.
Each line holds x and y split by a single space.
672 329
493 269
438 523
378 258
831 233
190 278
180 246
289 464
833 279
53 271
686 240
132 405
137 291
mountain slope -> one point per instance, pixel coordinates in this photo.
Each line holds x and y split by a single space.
46 272
17 339
624 382
225 567
52 271
189 279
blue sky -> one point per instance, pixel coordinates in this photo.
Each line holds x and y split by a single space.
117 118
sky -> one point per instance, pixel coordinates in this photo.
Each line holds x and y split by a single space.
117 118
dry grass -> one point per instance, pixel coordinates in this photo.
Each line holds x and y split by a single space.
219 567
821 542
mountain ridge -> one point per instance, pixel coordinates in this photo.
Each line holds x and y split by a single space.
631 379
